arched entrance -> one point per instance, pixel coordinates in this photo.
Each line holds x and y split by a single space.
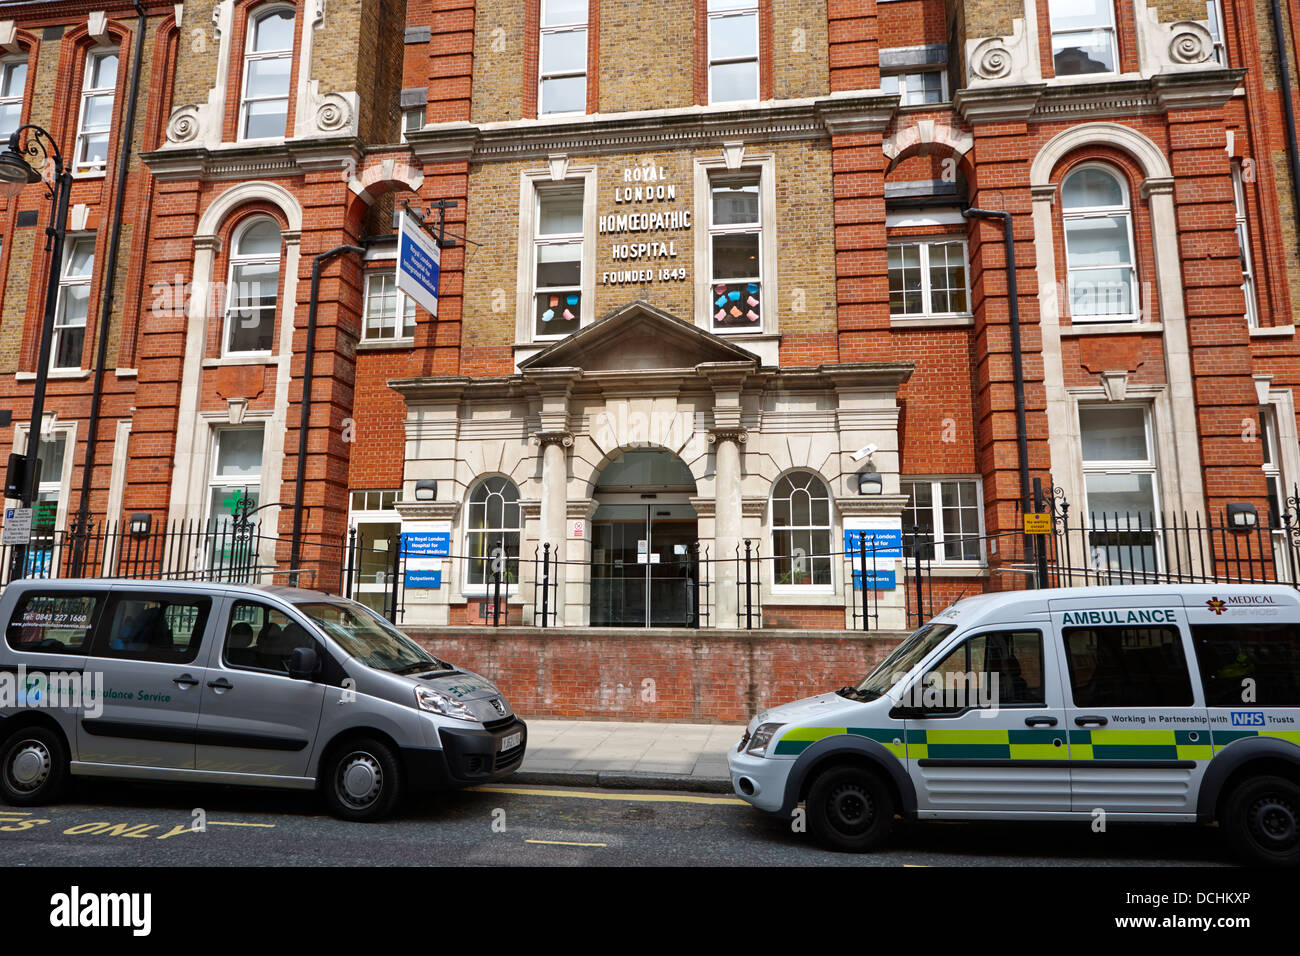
643 536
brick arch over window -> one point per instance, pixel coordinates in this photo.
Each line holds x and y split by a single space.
244 13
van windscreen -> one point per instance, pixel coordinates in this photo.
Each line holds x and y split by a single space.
371 640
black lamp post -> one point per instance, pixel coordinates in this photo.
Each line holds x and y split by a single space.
16 173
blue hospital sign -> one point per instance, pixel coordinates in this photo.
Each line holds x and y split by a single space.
424 551
419 263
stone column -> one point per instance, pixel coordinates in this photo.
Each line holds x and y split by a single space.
555 504
727 522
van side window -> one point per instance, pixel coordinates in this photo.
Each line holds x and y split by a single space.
166 628
1127 667
998 667
58 622
263 638
1267 654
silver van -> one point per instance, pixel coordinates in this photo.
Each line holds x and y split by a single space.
234 684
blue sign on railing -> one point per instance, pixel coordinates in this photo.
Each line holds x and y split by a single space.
879 542
877 580
423 578
426 544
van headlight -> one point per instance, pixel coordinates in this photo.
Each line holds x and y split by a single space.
437 702
761 738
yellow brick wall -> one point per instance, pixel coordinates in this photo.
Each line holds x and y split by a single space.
498 61
15 295
1171 10
799 49
196 60
646 55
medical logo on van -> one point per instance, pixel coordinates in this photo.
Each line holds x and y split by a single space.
1239 600
1141 615
1247 718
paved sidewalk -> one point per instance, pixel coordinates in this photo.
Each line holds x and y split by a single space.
616 754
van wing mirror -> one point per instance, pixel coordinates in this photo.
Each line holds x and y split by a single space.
303 663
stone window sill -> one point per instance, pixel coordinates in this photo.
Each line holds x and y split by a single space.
1111 328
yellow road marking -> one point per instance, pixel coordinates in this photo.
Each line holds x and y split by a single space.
627 798
564 843
232 823
15 813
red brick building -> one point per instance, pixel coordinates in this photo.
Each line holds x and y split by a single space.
713 282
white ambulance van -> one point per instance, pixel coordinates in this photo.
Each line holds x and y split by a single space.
1154 703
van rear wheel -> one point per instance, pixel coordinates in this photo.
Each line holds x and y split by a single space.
363 781
1262 821
850 809
33 767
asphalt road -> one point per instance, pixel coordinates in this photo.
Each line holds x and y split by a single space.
112 823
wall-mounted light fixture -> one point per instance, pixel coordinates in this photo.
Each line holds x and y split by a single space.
140 523
1242 516
870 483
426 489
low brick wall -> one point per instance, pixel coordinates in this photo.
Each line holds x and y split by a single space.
660 674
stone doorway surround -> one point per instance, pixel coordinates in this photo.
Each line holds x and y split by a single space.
640 377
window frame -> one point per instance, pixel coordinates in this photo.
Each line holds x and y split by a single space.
734 12
215 480
405 124
811 586
322 655
11 99
100 640
555 29
940 533
927 290
100 596
87 93
745 176
1134 315
471 587
917 688
70 244
1248 288
400 335
1274 478
1150 465
1218 31
542 191
236 259
251 56
1179 642
1111 29
945 95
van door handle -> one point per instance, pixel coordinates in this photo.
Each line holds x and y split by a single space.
1091 721
220 684
185 680
1040 721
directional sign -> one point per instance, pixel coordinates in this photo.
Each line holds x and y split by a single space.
419 263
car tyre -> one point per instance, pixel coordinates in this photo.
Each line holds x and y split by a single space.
1261 820
33 767
850 809
363 781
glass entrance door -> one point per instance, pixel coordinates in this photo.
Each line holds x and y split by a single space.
642 573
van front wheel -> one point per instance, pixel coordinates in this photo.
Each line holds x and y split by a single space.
363 781
850 809
1262 821
33 767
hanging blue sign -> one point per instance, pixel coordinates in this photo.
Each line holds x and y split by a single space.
419 263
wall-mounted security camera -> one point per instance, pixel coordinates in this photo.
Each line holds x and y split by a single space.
866 451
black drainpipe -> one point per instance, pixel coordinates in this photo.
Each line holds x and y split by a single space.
1292 149
106 294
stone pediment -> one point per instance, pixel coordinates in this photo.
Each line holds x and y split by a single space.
639 337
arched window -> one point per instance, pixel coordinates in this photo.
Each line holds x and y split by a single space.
1099 246
801 530
493 523
252 292
268 62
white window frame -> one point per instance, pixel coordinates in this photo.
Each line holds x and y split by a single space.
901 76
1108 28
759 228
12 98
1272 453
936 482
414 113
1146 466
215 480
232 288
88 93
1125 209
925 242
471 588
556 239
66 282
251 56
555 29
400 336
1214 15
530 183
811 587
729 11
1243 242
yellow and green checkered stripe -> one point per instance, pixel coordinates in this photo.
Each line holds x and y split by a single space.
991 744
1125 744
799 739
1222 738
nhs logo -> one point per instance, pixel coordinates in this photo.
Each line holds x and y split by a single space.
1247 718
